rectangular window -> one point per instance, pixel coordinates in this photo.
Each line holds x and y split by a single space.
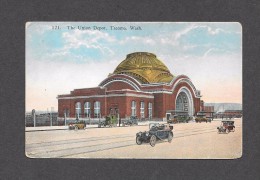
133 108
142 109
87 109
78 110
150 110
97 113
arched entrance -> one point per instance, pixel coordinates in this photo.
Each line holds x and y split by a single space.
184 101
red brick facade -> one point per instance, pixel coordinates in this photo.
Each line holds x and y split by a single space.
118 92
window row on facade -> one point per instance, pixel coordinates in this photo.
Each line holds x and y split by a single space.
142 109
97 109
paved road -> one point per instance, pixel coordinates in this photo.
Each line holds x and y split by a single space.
191 141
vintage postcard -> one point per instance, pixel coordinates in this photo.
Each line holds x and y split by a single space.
133 90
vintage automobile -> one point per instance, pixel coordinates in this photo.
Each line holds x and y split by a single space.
130 122
178 119
201 117
77 125
226 127
110 121
156 132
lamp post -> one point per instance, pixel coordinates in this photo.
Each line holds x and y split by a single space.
99 118
118 116
89 117
65 118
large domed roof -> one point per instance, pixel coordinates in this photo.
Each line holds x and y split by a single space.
144 67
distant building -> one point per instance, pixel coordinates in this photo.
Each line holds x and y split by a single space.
233 113
230 114
209 110
141 85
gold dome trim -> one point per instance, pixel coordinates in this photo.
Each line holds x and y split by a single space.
145 67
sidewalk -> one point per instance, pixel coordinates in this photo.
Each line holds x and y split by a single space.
54 128
45 128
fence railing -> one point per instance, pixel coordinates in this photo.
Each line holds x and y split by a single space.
53 120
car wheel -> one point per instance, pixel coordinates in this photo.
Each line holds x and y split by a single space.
152 140
76 128
138 140
227 131
170 136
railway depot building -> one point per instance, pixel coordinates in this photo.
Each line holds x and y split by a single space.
141 85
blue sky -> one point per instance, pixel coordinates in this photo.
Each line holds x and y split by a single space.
58 61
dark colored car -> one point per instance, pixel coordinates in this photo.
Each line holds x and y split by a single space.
156 132
178 119
226 127
110 121
130 122
77 125
201 117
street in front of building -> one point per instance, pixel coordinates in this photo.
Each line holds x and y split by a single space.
191 141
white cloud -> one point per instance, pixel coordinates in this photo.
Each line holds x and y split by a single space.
89 39
80 38
189 46
214 31
208 51
163 39
171 38
138 39
179 34
211 30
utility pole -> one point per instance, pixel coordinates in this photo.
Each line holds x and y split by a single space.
52 109
34 120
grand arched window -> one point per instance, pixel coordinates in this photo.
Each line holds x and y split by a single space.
142 109
182 102
87 109
78 110
179 103
133 108
150 110
97 112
